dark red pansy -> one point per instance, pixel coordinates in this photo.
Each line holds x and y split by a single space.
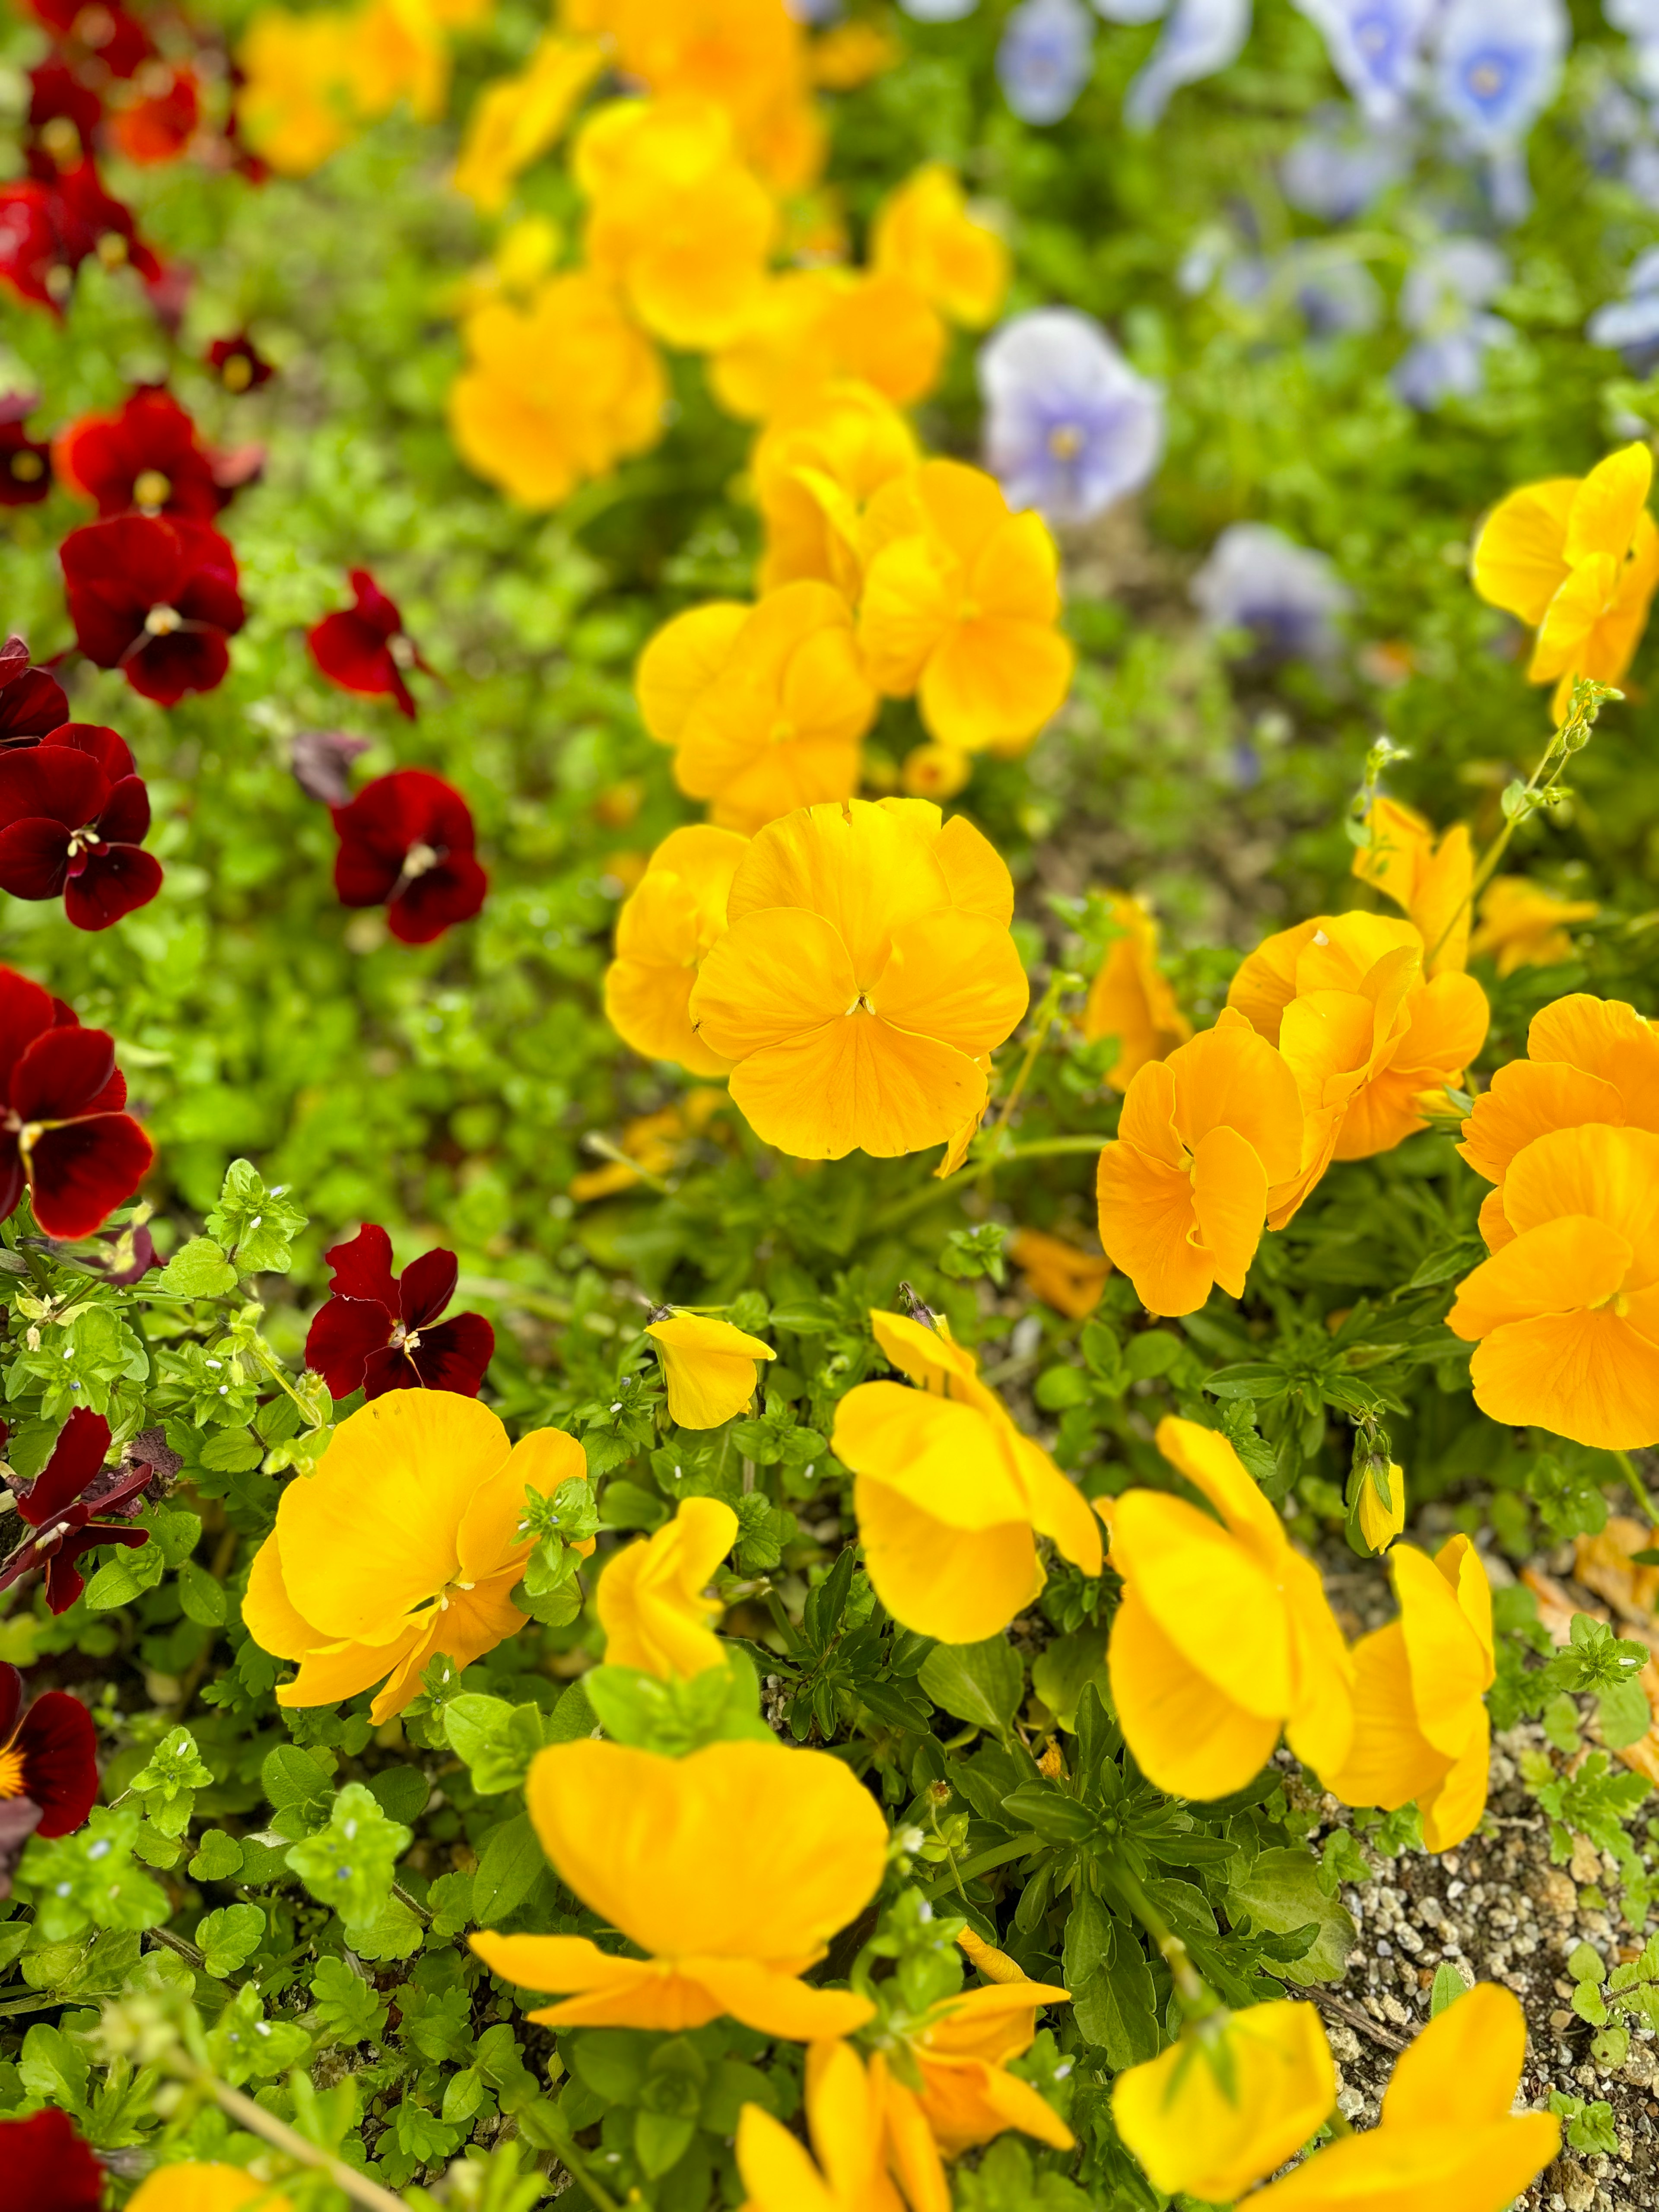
380 1332
63 114
155 596
89 220
73 820
364 648
238 364
25 462
31 700
63 1133
159 125
98 38
73 1506
146 455
29 260
406 844
48 1754
48 2168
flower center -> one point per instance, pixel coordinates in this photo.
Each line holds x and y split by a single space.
418 859
402 652
84 840
26 467
404 1340
237 374
161 622
1066 442
1618 1304
11 1773
62 141
151 488
861 1006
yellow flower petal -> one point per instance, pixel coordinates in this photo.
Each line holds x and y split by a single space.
709 1366
651 1603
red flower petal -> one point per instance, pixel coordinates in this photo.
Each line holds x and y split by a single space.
344 1335
59 781
116 881
124 818
426 1287
78 1454
59 1746
108 458
61 1072
389 1368
452 891
81 1171
373 606
26 1013
64 1581
454 1355
35 858
48 2168
11 1701
362 1268
107 747
352 653
120 573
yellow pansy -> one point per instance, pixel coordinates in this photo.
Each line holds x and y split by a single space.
1223 1637
1524 926
846 2118
949 1495
816 466
1131 999
1420 1727
1428 879
199 2185
517 118
1229 2102
811 327
651 1603
924 233
707 1365
1378 1519
664 931
774 1851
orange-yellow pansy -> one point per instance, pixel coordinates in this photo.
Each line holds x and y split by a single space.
557 391
1069 1280
1421 1728
517 118
295 107
707 1365
847 2119
961 2048
1577 558
774 1850
1129 998
405 1542
1524 926
923 232
675 219
664 931
1203 1138
815 467
960 607
774 720
865 971
651 1603
1429 880
193 2185
1565 1313
1223 1637
950 1496
1450 2140
815 326
1228 2102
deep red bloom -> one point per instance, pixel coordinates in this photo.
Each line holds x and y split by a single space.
29 259
364 648
49 227
73 1506
62 1129
48 1754
155 596
380 1332
25 464
146 455
48 2165
406 844
238 364
101 39
73 817
63 113
159 124
32 700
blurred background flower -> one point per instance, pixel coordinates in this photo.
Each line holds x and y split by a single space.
1069 426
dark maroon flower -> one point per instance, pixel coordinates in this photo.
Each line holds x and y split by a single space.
48 1754
73 819
364 648
31 700
238 364
63 1133
155 596
72 1507
101 41
320 760
49 226
89 220
48 2168
64 115
25 462
146 455
380 1332
29 258
406 844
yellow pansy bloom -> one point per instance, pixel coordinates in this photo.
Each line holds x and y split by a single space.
1577 558
816 326
1223 1637
960 2049
1062 1276
1420 1726
406 1540
1229 2102
517 118
1449 2139
949 1495
295 107
961 607
1377 1521
651 1603
774 1851
707 1365
197 2185
664 931
1429 880
846 2118
816 466
867 971
923 232
1524 926
1131 999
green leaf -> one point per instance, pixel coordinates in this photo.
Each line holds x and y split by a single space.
197 1270
203 1599
232 1451
981 1683
1624 1713
298 1790
349 1864
1063 1669
401 1792
124 1578
227 1939
218 1858
509 1866
1115 2000
257 1223
661 2140
1280 1892
1448 1986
